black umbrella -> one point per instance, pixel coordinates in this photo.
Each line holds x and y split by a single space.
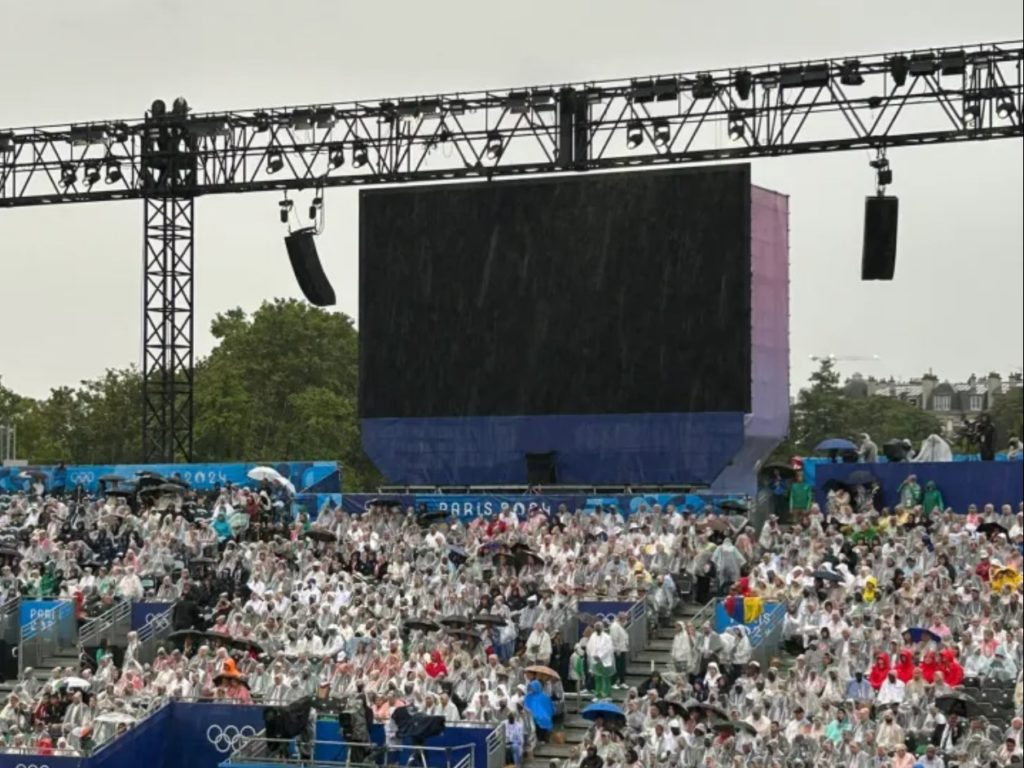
835 485
990 529
826 575
196 635
785 471
423 625
490 620
9 552
958 704
35 474
237 643
666 706
319 534
456 621
110 479
735 726
735 505
860 477
123 492
707 711
465 634
528 556
429 518
202 561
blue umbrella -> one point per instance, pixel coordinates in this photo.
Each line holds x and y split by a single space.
917 634
835 444
602 709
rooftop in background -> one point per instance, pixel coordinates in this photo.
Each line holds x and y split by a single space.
952 401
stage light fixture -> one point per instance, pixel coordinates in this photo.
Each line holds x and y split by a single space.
634 134
315 206
737 126
284 210
1006 108
741 83
68 175
6 141
704 87
953 63
360 154
662 132
158 108
923 64
180 107
336 157
898 68
92 174
972 112
850 74
113 172
495 147
274 161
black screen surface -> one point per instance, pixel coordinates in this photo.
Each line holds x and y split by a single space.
599 293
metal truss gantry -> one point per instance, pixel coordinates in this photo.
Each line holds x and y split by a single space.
167 328
925 96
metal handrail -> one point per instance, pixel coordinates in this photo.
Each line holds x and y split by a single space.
256 748
93 628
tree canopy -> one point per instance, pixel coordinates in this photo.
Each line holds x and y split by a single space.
281 383
822 410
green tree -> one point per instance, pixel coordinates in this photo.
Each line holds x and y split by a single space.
823 410
1008 415
282 384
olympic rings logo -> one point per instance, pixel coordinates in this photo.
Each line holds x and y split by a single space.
160 620
223 738
31 765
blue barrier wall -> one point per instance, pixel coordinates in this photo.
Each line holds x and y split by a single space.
307 476
961 483
595 449
468 507
204 735
143 613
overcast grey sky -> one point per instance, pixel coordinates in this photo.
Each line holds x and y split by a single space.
70 287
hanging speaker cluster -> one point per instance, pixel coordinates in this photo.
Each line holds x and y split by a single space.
878 260
307 268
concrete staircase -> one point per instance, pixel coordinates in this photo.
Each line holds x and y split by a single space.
65 658
658 650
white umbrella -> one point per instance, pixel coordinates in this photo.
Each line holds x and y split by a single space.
72 683
264 473
287 484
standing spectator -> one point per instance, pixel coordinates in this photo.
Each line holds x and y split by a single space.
620 642
601 656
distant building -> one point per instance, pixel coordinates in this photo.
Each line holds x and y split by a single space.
952 403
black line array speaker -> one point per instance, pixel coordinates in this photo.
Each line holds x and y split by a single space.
306 266
540 468
878 261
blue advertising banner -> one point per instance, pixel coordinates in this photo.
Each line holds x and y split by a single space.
315 503
309 476
759 628
603 610
471 506
144 613
42 615
204 735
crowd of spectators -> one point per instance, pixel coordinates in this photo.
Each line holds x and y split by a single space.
466 621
